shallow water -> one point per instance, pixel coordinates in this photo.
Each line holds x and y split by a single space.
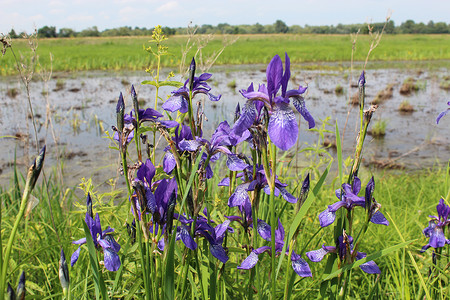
413 140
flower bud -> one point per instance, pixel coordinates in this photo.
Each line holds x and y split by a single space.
120 111
11 293
237 112
63 271
362 80
135 101
89 206
369 194
191 74
303 192
35 169
21 287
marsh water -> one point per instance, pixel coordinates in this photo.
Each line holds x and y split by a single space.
81 107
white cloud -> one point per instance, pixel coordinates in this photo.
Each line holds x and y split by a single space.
80 18
168 7
57 11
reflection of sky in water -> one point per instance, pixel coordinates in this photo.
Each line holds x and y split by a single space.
98 93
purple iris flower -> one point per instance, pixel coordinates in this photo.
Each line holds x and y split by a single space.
299 265
240 196
220 139
183 133
435 229
343 244
282 127
101 239
146 115
159 196
443 113
203 227
180 98
350 199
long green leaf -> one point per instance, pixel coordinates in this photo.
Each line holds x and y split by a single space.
301 213
369 258
98 279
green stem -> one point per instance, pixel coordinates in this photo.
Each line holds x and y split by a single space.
19 217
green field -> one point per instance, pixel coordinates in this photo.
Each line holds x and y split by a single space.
127 53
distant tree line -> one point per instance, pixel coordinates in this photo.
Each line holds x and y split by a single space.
408 27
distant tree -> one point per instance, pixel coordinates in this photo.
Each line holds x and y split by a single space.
12 34
91 31
257 28
168 31
441 27
407 27
280 27
66 32
47 32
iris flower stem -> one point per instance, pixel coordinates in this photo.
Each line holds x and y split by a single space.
191 115
148 291
136 137
288 270
19 217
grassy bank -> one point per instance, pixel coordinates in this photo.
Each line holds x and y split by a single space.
126 53
407 200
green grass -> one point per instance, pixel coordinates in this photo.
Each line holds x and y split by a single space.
126 53
406 198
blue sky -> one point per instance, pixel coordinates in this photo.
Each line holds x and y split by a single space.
25 15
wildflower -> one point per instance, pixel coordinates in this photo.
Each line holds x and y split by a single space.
435 229
443 113
299 265
195 85
63 271
344 249
349 199
282 125
220 139
102 239
240 195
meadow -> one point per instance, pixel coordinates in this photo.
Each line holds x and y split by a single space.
126 53
184 231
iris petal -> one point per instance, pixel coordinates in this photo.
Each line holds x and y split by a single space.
111 259
283 130
299 103
249 262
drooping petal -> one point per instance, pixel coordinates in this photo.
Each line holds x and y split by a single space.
318 255
224 182
369 267
379 218
283 130
234 163
437 237
299 103
246 119
239 196
111 259
189 145
74 257
287 196
300 266
186 237
218 252
169 162
111 243
146 172
327 217
249 262
175 103
264 230
442 114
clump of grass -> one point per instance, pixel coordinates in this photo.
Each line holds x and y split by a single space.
12 92
445 83
384 94
378 129
409 85
125 82
339 90
354 100
406 107
59 85
232 84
